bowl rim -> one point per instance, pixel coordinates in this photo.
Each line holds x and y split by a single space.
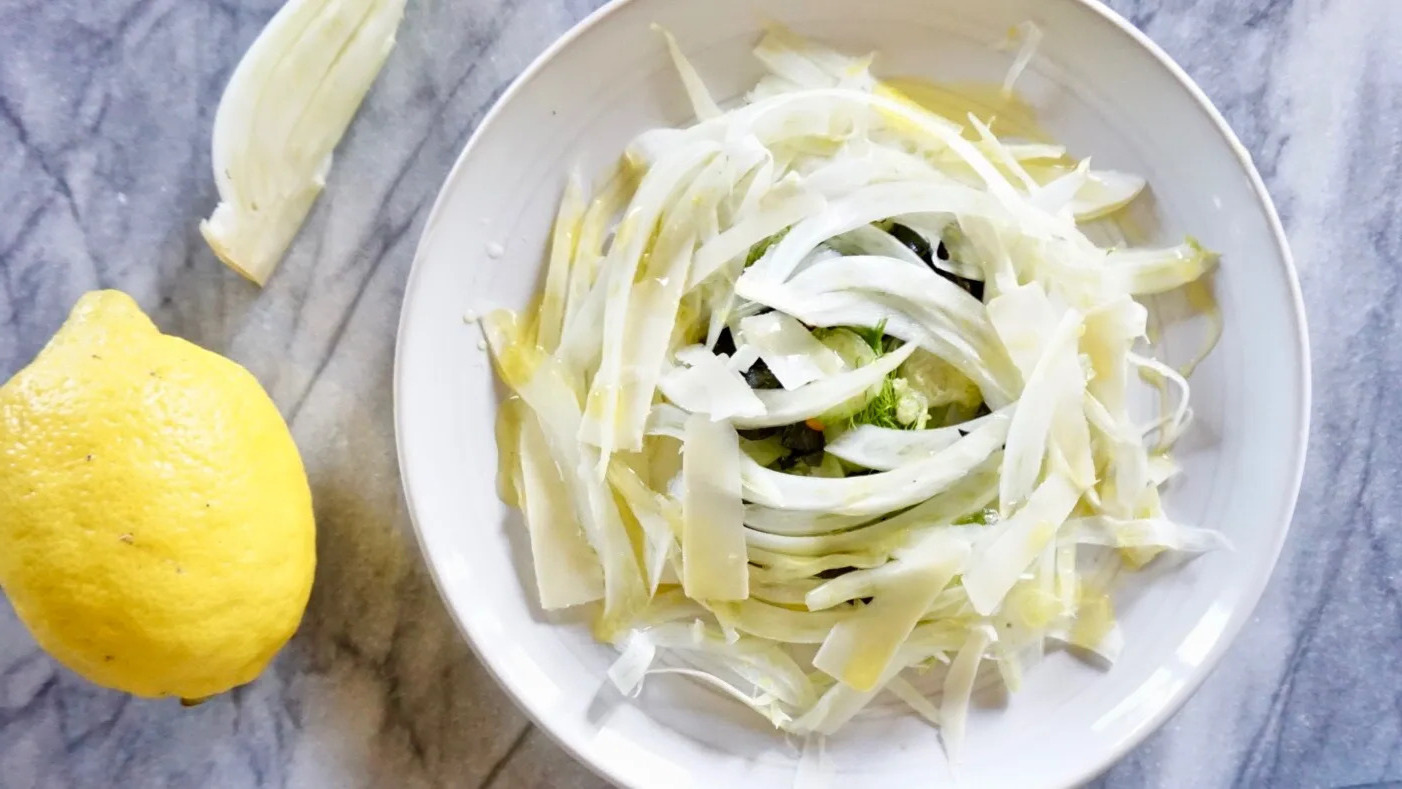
1122 746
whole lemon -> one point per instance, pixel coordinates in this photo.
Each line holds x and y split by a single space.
156 530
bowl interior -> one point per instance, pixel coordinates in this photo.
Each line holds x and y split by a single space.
1097 88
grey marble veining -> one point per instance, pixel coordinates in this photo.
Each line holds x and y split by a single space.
105 111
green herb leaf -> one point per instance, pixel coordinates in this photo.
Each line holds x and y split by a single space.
874 336
757 251
880 410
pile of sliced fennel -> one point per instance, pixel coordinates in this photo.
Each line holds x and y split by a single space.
909 301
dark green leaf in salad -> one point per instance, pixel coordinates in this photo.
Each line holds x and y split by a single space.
759 376
801 438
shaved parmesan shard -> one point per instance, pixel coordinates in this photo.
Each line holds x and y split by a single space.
567 571
709 387
790 351
1019 541
545 390
859 650
713 530
959 688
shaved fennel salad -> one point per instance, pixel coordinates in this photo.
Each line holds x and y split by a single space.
826 392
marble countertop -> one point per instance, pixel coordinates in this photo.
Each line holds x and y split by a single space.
105 112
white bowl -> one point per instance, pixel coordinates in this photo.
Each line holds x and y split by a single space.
1101 88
